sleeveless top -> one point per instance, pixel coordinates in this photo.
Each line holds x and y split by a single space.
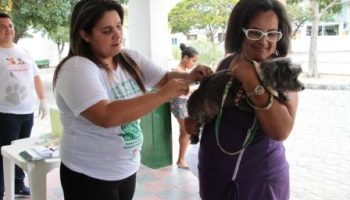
263 161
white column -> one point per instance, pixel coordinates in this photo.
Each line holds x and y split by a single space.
148 29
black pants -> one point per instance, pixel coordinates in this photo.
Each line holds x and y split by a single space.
13 127
79 186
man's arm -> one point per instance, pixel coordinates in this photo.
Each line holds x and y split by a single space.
39 88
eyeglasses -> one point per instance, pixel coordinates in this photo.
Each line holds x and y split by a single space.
255 34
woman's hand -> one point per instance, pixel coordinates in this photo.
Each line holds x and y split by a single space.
174 88
192 127
199 72
242 70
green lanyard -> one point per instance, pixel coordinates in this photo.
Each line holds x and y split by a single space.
250 133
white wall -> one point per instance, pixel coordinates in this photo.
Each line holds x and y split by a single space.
324 44
148 30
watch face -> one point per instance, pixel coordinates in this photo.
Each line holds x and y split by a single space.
259 90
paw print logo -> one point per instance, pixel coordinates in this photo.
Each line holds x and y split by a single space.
15 94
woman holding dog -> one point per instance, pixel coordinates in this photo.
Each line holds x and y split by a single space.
241 154
101 93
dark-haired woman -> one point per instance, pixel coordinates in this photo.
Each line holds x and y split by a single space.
241 155
101 93
178 105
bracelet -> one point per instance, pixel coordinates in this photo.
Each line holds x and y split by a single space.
268 106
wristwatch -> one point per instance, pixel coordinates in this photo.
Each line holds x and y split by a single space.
257 91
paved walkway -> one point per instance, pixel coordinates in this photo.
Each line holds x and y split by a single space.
318 149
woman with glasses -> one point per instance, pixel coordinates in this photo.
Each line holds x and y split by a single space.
241 154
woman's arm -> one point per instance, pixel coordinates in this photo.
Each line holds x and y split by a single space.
277 121
39 87
173 84
114 113
194 76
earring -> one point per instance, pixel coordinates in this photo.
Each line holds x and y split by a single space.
276 53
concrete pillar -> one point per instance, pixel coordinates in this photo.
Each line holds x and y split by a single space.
149 34
148 29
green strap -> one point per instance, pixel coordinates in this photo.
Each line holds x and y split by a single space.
250 133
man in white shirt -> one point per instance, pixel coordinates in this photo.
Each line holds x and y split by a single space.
20 85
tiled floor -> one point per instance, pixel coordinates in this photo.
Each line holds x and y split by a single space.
168 183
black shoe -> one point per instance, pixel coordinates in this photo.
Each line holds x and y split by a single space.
21 189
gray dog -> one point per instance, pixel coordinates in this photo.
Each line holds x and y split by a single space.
278 75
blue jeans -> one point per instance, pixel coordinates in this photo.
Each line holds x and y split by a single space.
13 127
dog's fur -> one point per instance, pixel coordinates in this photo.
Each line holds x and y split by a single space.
278 75
205 102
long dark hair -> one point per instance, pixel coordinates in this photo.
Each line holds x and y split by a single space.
244 11
85 15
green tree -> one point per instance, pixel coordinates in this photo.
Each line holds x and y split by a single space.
319 9
60 36
6 5
210 16
298 15
39 14
50 17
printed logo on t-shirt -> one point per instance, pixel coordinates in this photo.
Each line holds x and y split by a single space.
131 132
126 89
16 64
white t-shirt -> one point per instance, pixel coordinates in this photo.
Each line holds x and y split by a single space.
102 153
17 71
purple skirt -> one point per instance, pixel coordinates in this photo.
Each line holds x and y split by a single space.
263 172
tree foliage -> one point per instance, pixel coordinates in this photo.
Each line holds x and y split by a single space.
50 17
45 15
327 6
210 16
298 15
320 9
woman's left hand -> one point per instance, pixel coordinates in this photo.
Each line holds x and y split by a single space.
199 72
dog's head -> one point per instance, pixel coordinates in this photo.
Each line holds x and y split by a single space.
282 75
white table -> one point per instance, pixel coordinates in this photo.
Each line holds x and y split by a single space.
36 170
